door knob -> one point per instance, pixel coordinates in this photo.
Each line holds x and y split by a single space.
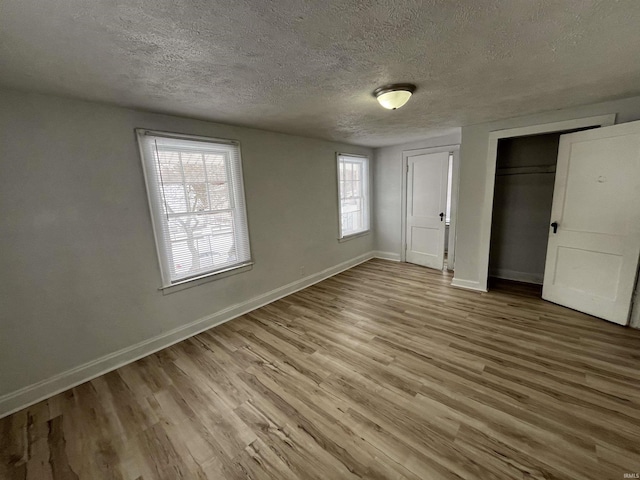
441 216
554 225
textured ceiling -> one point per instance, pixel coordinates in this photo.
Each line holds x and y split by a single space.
308 67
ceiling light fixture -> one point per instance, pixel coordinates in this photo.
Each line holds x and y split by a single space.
394 96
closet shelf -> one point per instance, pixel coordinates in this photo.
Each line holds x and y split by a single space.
526 170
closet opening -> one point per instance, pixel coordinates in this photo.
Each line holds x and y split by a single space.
523 195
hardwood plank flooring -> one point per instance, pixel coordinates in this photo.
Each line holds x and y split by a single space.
382 372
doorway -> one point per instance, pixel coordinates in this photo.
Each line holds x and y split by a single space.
487 212
429 193
522 199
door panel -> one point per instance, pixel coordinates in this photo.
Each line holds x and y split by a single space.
573 266
426 199
428 191
592 260
597 191
425 240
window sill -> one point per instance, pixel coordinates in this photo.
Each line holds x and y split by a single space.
354 235
209 277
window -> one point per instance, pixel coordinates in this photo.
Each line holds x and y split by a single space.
353 184
197 204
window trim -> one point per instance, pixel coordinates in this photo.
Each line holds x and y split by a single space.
367 194
152 188
206 278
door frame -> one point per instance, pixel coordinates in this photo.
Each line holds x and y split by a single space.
492 157
455 149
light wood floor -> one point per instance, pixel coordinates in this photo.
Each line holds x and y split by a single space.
384 371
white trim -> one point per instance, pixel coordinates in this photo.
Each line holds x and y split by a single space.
354 235
467 285
208 274
516 276
14 401
487 209
186 136
455 149
353 155
394 257
196 282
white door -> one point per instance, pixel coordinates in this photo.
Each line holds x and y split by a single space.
426 206
592 257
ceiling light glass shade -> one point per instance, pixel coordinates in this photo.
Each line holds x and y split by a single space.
394 96
393 100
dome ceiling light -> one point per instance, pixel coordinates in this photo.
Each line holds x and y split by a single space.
394 96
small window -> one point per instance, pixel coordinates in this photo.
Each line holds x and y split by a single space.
353 184
197 204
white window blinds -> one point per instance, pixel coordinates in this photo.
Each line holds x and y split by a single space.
197 204
353 183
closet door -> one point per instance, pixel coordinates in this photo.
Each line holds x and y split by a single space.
594 236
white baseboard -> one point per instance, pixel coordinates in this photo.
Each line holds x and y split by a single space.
468 284
518 276
395 257
14 401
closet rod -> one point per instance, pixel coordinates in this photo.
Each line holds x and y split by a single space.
526 170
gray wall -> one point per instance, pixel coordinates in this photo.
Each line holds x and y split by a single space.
473 196
387 180
80 275
522 208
